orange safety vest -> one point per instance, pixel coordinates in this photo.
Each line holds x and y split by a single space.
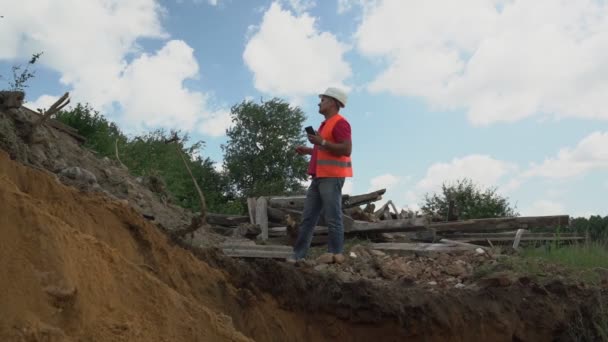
328 164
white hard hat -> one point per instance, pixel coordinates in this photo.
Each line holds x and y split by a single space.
337 94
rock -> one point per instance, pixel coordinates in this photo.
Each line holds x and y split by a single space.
432 283
394 269
79 174
457 269
107 173
460 286
353 255
377 253
321 267
11 99
451 280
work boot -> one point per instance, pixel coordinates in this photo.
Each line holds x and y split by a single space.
325 258
339 258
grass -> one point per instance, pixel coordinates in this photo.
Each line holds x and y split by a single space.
579 256
578 262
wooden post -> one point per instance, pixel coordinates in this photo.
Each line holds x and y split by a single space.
251 209
518 238
261 217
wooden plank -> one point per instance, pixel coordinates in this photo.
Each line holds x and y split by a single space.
251 203
291 202
257 251
525 238
281 231
253 246
60 126
395 210
504 223
297 202
226 220
408 248
509 234
404 225
462 243
380 212
245 253
261 217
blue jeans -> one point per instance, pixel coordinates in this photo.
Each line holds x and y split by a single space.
323 194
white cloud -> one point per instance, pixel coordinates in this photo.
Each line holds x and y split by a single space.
290 57
99 58
494 58
300 6
42 102
348 187
481 169
216 124
385 181
544 207
348 5
589 154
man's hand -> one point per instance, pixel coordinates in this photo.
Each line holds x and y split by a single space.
315 139
303 150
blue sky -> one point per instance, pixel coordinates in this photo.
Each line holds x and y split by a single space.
509 93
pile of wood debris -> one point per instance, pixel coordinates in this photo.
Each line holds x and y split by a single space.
273 223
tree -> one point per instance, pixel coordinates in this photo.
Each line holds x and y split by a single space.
150 156
470 202
596 226
101 134
259 156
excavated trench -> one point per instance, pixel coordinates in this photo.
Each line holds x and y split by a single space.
80 266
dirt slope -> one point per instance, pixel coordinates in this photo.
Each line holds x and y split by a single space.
72 268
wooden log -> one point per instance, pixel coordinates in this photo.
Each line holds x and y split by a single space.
261 216
354 201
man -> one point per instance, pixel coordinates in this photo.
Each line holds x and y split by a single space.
329 164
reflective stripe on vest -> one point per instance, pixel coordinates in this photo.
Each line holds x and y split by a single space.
328 164
334 163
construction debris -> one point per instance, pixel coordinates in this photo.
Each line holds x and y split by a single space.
277 221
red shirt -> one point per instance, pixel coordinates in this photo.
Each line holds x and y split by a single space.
340 134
